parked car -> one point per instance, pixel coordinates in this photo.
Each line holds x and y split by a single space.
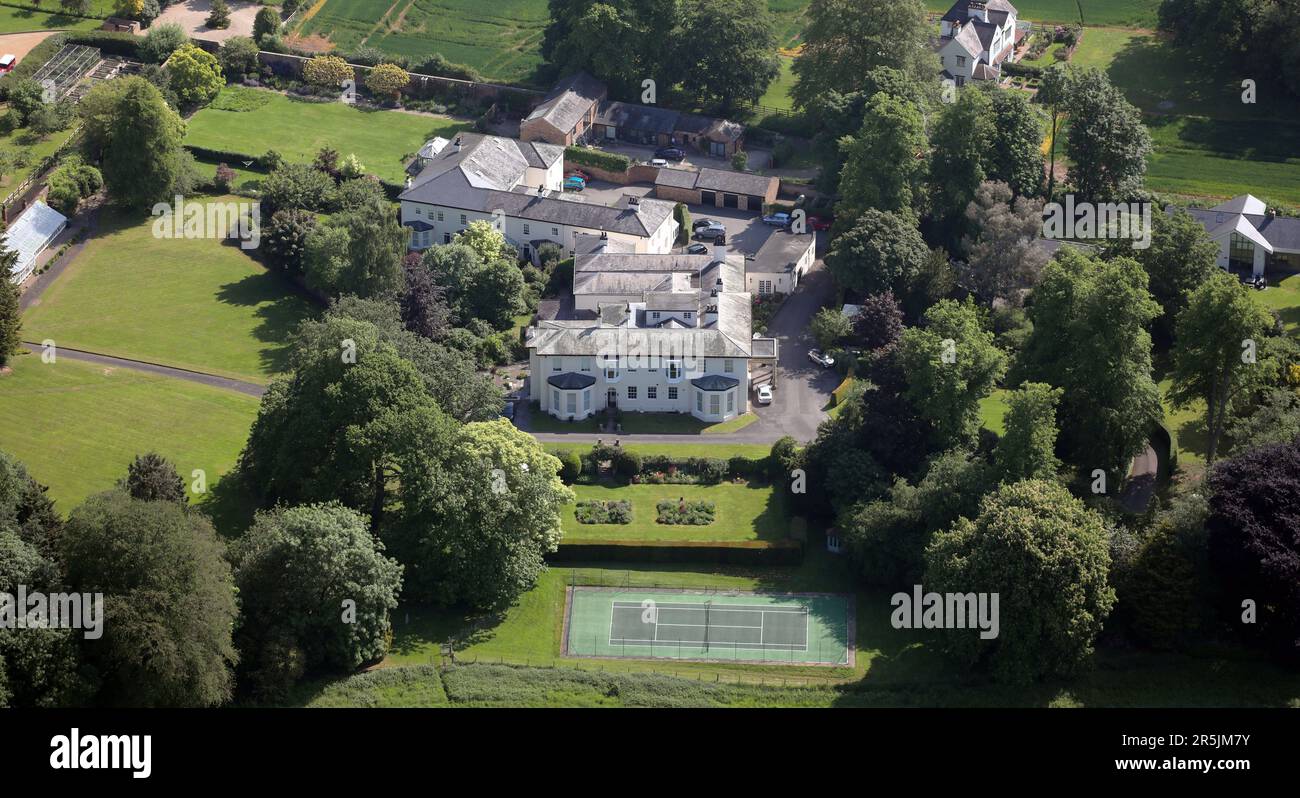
698 223
7 62
821 359
697 249
671 153
659 162
712 232
574 183
777 219
820 222
764 394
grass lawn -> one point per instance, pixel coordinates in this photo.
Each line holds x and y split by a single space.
743 512
298 129
195 304
1284 297
893 667
22 20
77 426
778 92
992 410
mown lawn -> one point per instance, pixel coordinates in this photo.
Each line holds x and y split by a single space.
196 304
992 410
297 129
77 426
1284 297
778 91
742 512
894 667
22 20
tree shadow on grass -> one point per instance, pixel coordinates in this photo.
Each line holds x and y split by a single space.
280 309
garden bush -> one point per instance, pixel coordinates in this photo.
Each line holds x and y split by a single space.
570 466
603 512
680 511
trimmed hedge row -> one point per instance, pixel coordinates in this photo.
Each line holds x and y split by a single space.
742 552
109 42
598 158
706 470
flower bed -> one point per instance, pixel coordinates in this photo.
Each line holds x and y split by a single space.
672 511
603 512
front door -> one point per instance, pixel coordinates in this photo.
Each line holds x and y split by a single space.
611 398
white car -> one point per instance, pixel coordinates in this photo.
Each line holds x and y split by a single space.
764 394
823 360
659 162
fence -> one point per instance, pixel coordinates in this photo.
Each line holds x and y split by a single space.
21 195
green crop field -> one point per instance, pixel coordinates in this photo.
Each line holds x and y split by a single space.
743 512
503 40
76 426
297 129
195 304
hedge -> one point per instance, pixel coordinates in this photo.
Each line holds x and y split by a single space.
742 552
1024 70
109 42
598 158
837 395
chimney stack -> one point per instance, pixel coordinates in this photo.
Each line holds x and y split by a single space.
457 143
720 247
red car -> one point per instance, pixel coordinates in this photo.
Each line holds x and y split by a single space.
576 173
819 222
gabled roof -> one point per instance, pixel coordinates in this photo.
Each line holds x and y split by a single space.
1243 203
647 118
959 9
31 233
709 179
780 252
569 101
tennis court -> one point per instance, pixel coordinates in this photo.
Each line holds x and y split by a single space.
800 629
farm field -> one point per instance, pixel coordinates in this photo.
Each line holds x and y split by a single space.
194 304
1223 158
502 41
298 129
743 512
76 426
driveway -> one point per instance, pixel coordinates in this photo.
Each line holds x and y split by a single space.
190 15
644 154
803 388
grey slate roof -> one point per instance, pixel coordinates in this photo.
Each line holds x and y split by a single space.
637 117
715 382
479 178
733 182
571 381
708 179
1280 231
959 9
571 98
780 252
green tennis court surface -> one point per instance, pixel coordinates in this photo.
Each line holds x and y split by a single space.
801 629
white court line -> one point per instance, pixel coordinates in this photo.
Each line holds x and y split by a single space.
708 626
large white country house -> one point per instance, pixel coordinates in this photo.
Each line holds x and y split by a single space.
976 36
518 186
650 333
